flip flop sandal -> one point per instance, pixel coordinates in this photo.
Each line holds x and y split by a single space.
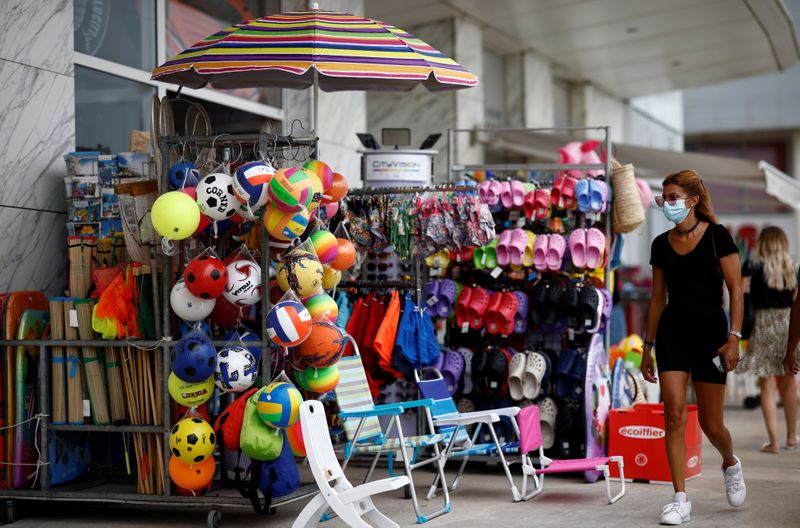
431 293
466 405
529 205
548 412
568 193
448 293
540 248
570 302
765 448
535 368
552 306
517 193
555 193
505 195
537 301
583 195
507 312
527 259
595 248
468 355
516 248
577 248
503 249
493 319
541 204
515 371
478 303
452 370
556 248
599 196
521 317
461 306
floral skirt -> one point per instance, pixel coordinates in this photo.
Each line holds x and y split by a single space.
767 346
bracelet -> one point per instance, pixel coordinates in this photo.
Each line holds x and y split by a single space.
735 334
648 343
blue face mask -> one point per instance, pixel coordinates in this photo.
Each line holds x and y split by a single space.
676 213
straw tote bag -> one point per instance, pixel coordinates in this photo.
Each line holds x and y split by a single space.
627 212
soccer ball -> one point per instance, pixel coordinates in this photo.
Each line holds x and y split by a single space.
193 357
215 196
183 174
187 306
236 369
192 440
206 277
243 287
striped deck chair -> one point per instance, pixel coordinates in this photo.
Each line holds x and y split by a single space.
365 437
444 418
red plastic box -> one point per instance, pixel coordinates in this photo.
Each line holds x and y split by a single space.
638 435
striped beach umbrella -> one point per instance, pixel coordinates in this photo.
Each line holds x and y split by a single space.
326 49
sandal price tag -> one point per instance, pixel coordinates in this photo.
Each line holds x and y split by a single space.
521 222
464 328
571 334
588 322
493 385
513 215
433 300
496 272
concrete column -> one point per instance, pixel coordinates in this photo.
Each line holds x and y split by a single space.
537 78
468 51
794 171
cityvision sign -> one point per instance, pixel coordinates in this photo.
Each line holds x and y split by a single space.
407 167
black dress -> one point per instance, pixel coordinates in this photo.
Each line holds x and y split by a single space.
693 325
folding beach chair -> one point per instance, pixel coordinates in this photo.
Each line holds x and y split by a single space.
531 441
352 504
364 434
445 418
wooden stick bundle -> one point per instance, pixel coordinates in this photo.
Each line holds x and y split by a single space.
57 372
95 380
116 391
73 364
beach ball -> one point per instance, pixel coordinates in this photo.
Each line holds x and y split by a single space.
327 211
215 196
325 245
236 369
346 256
206 276
243 287
279 404
250 183
301 272
183 174
320 380
322 304
187 306
290 189
192 440
338 188
193 358
190 394
175 215
330 277
294 435
322 170
192 477
285 226
288 323
324 345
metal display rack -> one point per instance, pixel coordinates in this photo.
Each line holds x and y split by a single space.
101 490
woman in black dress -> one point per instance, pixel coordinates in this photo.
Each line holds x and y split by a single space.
692 334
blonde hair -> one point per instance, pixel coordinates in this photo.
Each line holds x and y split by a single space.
772 254
690 181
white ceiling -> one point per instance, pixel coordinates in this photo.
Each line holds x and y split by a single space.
629 47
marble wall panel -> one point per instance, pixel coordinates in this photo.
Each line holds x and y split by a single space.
37 33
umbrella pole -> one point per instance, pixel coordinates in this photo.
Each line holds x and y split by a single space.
315 108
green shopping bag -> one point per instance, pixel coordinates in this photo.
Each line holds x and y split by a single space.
258 440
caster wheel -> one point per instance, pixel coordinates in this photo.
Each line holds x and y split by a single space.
214 516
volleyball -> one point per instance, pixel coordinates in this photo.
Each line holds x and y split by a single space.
290 189
288 323
285 226
279 405
250 183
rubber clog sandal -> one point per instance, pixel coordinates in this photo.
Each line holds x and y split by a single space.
556 247
490 250
555 192
515 370
448 293
503 248
498 371
541 204
483 190
461 306
595 248
517 194
568 198
540 248
492 318
544 391
517 247
527 259
505 195
529 205
476 309
570 302
535 368
548 413
467 253
479 258
552 305
537 302
599 196
521 317
583 195
452 369
468 355
431 293
590 308
466 405
507 312
577 248
492 193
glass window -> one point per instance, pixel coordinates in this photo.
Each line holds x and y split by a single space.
122 31
190 21
107 108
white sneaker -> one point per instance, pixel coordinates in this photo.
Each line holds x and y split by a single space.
676 513
735 488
